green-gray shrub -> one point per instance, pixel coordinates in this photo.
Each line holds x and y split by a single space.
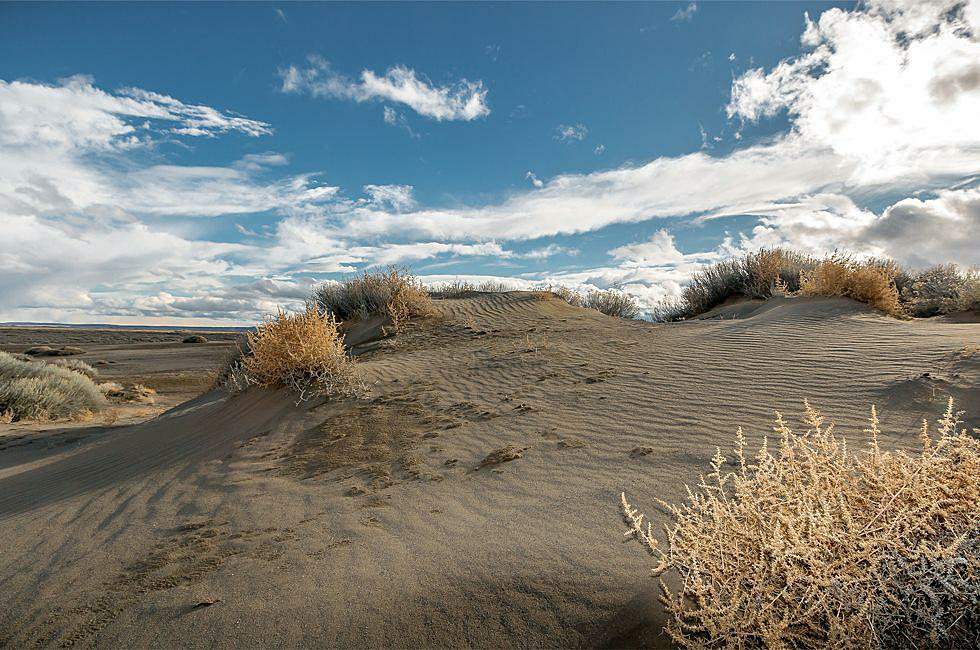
41 391
77 365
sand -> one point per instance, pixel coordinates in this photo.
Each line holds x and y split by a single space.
470 498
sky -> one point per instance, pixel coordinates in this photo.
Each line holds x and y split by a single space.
208 163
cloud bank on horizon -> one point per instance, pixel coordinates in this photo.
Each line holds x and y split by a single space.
880 156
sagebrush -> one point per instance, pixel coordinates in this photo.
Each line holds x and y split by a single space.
609 301
814 545
392 292
304 352
77 365
879 282
31 390
463 289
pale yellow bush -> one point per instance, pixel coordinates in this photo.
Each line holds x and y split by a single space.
870 282
816 546
304 352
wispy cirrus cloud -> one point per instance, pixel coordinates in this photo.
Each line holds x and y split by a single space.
463 100
571 132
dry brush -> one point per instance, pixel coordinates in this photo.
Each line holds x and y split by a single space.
814 545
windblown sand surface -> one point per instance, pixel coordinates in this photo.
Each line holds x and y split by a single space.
469 499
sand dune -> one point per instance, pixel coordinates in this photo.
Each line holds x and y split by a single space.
468 499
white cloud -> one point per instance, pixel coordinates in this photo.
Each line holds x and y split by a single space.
685 14
77 115
570 132
894 89
463 100
397 197
394 118
599 149
535 181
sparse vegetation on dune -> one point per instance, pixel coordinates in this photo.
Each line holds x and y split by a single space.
393 292
612 303
881 283
303 352
871 282
41 391
609 302
813 545
942 289
462 289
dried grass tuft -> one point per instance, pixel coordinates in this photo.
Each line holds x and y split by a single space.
393 292
870 282
303 352
813 545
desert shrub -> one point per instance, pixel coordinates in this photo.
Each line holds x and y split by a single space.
304 352
570 296
761 274
41 391
462 289
48 351
77 365
813 545
970 296
195 338
116 392
494 286
392 292
668 310
455 289
941 289
773 270
612 303
868 282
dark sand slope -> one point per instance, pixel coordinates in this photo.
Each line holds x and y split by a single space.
249 521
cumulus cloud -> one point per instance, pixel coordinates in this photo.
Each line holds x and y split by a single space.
464 100
570 132
895 88
535 181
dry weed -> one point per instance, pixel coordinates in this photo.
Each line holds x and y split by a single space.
869 282
393 292
813 545
304 352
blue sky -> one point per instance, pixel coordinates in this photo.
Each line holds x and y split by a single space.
207 162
